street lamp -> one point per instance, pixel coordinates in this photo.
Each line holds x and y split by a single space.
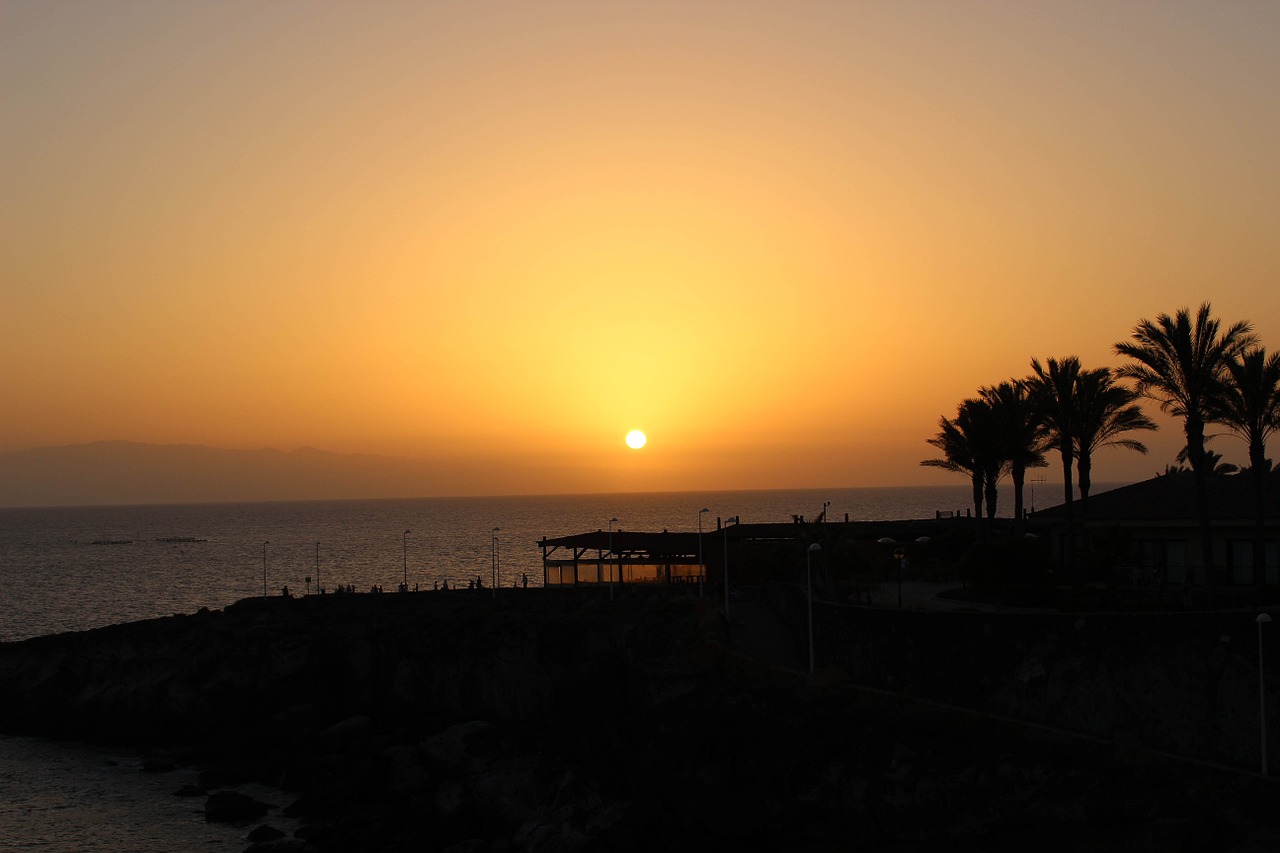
700 512
264 567
319 589
612 522
901 555
815 547
732 519
493 555
1263 619
405 586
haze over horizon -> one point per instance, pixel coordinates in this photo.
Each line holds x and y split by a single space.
781 239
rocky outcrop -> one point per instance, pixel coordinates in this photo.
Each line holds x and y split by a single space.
552 723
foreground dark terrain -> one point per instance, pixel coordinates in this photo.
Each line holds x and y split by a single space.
545 722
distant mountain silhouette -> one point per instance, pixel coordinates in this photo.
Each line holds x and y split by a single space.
122 472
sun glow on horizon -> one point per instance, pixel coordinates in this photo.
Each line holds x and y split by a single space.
636 439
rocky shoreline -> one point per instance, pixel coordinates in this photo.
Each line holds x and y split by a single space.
558 723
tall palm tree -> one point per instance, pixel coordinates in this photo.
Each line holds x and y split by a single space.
1180 362
1106 412
978 417
1019 433
969 444
958 457
1053 386
1249 405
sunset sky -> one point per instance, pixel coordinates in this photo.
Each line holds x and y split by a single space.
781 238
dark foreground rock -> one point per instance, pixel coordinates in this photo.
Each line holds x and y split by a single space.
233 807
544 723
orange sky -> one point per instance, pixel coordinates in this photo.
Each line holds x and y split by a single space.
781 238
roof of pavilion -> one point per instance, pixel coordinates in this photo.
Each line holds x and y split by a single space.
1172 497
666 543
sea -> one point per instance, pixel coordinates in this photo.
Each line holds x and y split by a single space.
72 569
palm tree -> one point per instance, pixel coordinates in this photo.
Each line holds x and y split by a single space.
970 446
1019 433
1053 385
1106 412
958 457
1214 464
1249 405
1180 363
979 419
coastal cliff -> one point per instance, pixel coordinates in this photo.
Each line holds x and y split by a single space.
550 722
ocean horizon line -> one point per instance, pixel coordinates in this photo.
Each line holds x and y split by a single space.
656 493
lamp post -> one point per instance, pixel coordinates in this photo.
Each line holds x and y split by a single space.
405 586
264 567
493 555
1263 619
900 554
612 522
700 512
319 589
733 519
809 584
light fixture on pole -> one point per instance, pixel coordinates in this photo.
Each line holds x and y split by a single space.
264 567
612 522
405 586
1263 619
731 519
815 547
493 555
700 512
900 554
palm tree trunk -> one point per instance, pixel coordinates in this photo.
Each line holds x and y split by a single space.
1084 466
1196 455
1068 501
977 503
1019 478
992 495
1258 464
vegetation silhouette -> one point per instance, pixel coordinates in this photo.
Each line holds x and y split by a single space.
1192 366
1106 411
1054 387
1180 363
1248 404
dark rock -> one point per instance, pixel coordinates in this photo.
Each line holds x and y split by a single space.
448 749
409 723
350 729
234 808
280 845
190 791
265 832
231 772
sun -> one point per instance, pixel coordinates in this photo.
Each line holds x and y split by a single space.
636 439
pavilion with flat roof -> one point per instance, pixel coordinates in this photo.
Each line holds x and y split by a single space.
665 558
